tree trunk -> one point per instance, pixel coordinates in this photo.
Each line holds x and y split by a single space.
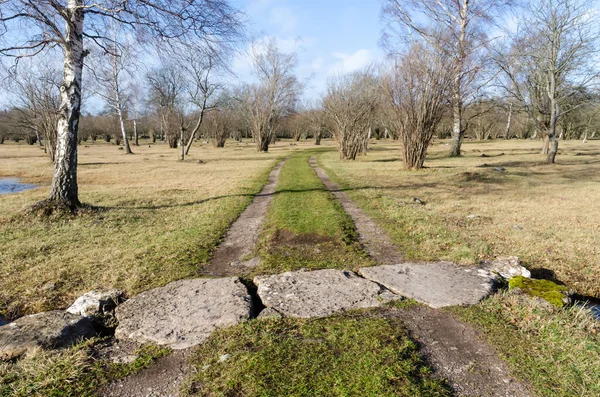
64 191
123 132
546 145
457 132
318 138
508 121
39 138
552 134
193 134
263 145
135 133
182 142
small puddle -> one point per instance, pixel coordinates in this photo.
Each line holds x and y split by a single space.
595 309
590 303
596 312
2 322
14 185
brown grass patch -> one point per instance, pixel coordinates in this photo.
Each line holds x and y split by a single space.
160 219
544 214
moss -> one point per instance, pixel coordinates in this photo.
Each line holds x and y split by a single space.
544 289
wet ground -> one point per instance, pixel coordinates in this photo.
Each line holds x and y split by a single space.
14 185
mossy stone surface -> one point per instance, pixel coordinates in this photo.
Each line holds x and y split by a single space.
544 289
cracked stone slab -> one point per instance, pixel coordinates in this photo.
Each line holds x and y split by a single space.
319 293
184 313
437 284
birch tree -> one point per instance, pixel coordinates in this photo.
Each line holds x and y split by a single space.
559 48
30 27
113 71
462 25
202 88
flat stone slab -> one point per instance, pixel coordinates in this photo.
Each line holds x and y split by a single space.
436 284
184 313
319 293
49 330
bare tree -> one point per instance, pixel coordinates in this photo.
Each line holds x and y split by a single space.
462 25
559 47
418 88
166 87
37 89
135 109
350 104
113 71
201 89
219 126
317 123
69 24
276 93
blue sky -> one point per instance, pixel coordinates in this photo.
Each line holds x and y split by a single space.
332 36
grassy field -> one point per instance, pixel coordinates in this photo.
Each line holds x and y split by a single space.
556 351
306 227
546 215
160 220
347 355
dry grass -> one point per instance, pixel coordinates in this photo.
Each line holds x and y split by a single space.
547 215
556 351
161 219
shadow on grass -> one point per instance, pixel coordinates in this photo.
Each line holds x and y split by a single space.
101 163
545 274
592 302
323 189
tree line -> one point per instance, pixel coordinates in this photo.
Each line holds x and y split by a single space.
481 69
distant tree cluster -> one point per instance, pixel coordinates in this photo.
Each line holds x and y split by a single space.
160 71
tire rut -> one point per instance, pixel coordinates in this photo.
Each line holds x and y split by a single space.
376 242
456 350
242 236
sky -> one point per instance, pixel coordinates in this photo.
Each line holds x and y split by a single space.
331 36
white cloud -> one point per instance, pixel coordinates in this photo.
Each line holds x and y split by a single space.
284 18
242 64
350 62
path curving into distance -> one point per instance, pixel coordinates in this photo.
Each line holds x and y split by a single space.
242 236
456 350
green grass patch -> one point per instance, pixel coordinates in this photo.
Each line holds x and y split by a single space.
349 355
306 227
556 351
68 373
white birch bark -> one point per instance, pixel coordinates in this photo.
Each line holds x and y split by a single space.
64 181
